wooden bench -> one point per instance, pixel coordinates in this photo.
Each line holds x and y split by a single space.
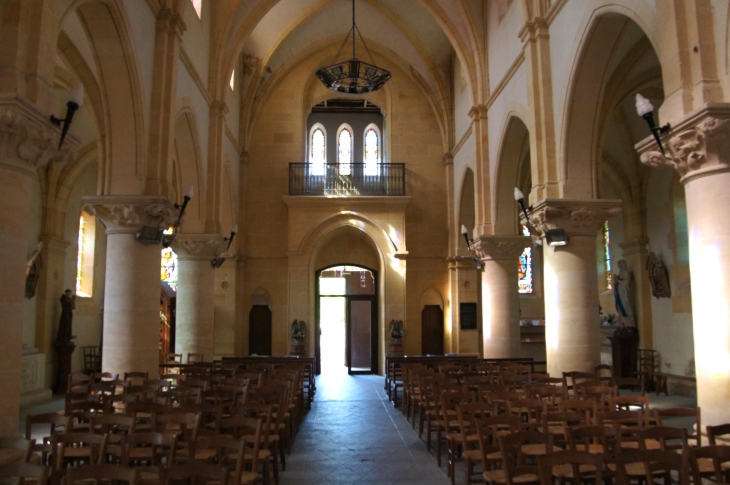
663 377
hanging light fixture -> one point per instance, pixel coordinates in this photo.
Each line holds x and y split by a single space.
353 76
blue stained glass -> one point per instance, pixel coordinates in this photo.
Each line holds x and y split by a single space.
607 254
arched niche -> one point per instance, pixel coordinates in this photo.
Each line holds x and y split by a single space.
467 207
188 170
347 244
513 170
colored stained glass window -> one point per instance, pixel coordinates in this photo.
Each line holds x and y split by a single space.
344 152
318 153
168 268
607 253
524 267
372 153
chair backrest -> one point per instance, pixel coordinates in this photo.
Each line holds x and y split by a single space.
95 443
38 473
581 438
184 425
162 445
656 462
196 473
588 409
714 432
670 438
582 463
664 417
720 457
515 455
195 357
102 472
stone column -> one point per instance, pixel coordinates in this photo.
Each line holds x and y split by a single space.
25 145
698 147
570 277
194 330
500 298
131 331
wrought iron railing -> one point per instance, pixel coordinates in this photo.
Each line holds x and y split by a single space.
334 179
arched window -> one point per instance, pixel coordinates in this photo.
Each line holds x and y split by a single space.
344 151
85 255
524 267
372 150
317 150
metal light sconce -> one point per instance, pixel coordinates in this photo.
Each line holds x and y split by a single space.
520 198
465 233
646 111
218 262
556 237
167 239
75 100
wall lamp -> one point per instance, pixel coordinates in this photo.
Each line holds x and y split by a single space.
75 100
646 111
156 235
218 262
476 260
556 237
520 198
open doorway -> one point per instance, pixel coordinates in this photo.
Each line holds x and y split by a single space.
346 335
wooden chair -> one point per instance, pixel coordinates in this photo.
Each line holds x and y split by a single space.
591 439
627 403
466 438
516 448
269 448
719 458
113 473
588 409
667 414
21 471
604 375
195 474
136 378
558 424
447 420
576 466
655 462
174 358
714 432
232 453
56 422
150 448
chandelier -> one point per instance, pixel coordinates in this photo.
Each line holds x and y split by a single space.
353 76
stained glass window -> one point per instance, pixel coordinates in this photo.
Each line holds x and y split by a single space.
85 255
168 268
607 253
344 152
372 152
80 255
318 152
198 6
524 267
232 82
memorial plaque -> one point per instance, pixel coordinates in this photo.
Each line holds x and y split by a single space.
468 316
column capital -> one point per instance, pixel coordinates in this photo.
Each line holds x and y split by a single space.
27 139
170 18
577 217
199 246
696 146
499 248
127 214
448 159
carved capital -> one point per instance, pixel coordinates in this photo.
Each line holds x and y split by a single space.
696 146
448 159
199 246
127 214
27 141
499 248
577 217
478 112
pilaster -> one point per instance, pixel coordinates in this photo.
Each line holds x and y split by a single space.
635 253
483 202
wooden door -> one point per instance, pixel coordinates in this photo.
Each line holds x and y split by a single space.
432 330
259 330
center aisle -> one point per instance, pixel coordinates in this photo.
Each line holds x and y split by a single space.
353 434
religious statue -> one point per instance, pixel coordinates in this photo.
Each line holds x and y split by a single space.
68 305
396 338
658 276
32 271
298 334
623 289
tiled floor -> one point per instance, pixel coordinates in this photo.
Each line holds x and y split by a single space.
354 435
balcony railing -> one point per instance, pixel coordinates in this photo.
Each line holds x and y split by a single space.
347 180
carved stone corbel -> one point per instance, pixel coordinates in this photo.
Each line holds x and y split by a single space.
499 248
577 217
201 247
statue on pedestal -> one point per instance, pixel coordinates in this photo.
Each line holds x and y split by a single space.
396 338
623 290
658 276
298 334
65 325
